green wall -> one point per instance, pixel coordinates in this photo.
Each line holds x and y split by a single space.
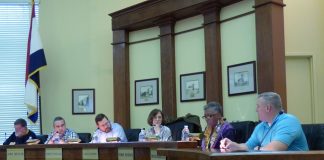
144 63
79 54
304 36
238 45
77 38
190 57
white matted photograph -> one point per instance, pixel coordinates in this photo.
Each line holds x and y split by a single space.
241 78
83 101
147 91
192 86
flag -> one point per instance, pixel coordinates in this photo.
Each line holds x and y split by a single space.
35 61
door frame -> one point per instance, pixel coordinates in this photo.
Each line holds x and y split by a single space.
313 79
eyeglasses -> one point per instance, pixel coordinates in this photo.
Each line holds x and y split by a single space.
208 116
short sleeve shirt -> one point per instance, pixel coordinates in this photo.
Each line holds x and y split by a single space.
285 128
68 134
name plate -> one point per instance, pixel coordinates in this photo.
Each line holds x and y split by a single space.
125 154
15 154
53 154
90 154
154 155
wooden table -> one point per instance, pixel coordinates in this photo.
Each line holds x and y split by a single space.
141 150
197 154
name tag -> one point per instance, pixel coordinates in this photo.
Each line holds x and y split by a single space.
125 154
53 154
90 154
15 154
154 155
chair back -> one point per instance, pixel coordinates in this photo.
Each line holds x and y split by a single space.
42 138
243 130
85 137
176 126
132 134
315 136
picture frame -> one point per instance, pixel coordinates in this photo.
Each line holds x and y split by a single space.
83 101
192 87
241 78
146 91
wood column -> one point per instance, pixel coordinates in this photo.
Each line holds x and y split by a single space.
271 69
121 78
214 91
168 79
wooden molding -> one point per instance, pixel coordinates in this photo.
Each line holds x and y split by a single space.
271 68
214 90
269 36
143 15
168 78
121 78
162 13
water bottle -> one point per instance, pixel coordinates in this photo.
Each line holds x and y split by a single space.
72 135
141 136
185 133
95 138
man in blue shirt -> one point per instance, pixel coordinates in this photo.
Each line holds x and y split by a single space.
278 131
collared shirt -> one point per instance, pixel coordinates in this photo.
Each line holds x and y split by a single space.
68 134
165 133
285 128
116 131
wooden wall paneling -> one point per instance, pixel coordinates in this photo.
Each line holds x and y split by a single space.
270 46
72 153
198 154
121 78
270 39
143 15
168 76
34 154
104 153
3 154
214 91
149 10
142 153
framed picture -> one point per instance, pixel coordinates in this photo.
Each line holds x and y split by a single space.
83 101
241 78
192 87
147 91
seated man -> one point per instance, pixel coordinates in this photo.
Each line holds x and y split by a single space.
21 134
106 129
278 131
61 134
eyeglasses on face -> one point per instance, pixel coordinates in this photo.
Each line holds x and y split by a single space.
208 116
